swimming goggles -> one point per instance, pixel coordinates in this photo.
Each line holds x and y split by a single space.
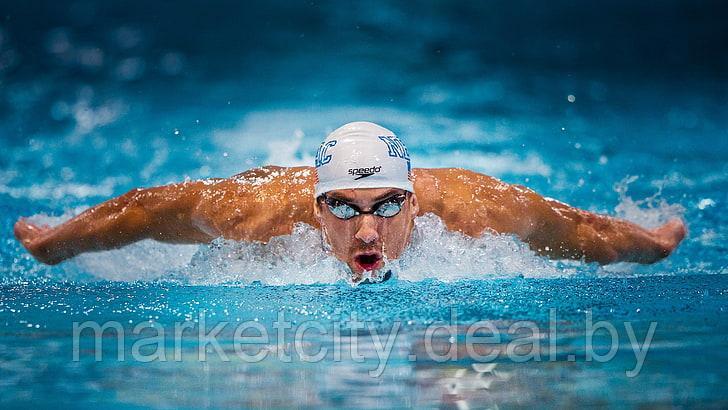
386 208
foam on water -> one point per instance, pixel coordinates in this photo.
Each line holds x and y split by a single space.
300 258
438 253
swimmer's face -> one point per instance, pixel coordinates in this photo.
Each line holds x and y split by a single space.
364 240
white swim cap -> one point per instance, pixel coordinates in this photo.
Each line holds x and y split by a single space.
362 155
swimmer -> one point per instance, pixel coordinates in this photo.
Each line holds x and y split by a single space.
363 196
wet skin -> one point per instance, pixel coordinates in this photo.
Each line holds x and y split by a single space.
265 202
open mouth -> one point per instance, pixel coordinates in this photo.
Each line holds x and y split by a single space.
368 261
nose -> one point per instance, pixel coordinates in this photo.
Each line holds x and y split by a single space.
367 231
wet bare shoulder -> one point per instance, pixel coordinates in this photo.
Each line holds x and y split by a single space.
435 187
259 203
468 201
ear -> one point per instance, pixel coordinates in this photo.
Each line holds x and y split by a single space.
317 210
414 205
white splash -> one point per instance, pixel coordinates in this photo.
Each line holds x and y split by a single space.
300 258
145 260
650 212
438 253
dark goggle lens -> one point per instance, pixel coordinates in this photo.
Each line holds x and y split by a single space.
387 209
342 210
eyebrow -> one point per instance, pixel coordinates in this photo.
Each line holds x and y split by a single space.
386 195
375 200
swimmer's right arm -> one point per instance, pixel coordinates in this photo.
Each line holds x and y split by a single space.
165 213
252 206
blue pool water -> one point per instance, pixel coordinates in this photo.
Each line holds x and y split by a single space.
96 99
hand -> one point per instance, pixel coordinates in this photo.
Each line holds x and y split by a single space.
33 239
670 234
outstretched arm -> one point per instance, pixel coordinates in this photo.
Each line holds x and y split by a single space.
473 203
163 213
252 206
561 231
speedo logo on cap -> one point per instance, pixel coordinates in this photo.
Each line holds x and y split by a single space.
364 172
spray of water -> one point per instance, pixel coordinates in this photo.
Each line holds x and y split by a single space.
649 212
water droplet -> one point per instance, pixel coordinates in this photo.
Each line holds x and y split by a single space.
705 203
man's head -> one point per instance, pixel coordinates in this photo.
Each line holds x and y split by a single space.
365 200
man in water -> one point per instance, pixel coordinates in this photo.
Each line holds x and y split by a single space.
363 196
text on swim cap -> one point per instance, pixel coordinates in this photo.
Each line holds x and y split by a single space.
321 157
364 172
396 148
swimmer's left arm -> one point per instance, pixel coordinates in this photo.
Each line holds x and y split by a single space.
474 203
561 231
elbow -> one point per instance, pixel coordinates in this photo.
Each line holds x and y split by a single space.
134 198
131 220
142 203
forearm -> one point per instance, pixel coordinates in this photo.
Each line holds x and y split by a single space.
109 225
565 232
161 213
